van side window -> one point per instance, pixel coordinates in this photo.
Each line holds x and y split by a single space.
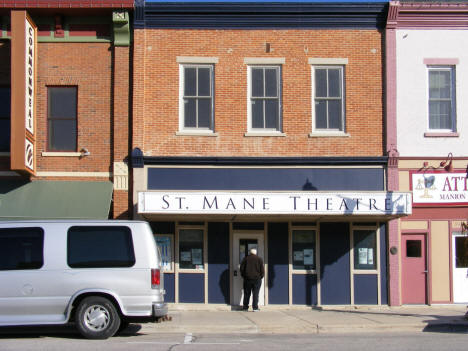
21 248
100 246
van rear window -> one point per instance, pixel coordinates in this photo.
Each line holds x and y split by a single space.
100 247
21 248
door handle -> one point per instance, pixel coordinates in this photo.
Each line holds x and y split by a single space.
425 271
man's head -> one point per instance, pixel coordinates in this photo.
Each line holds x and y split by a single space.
253 251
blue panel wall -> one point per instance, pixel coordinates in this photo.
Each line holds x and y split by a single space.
218 261
169 286
383 264
304 289
278 261
334 264
365 289
191 287
293 179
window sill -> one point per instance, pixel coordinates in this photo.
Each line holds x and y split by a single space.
265 134
365 271
441 135
329 135
5 154
304 271
191 271
197 133
61 154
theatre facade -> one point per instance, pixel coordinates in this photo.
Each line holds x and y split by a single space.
254 129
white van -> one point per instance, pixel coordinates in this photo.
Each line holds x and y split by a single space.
99 274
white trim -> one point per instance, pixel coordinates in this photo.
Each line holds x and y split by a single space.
328 132
191 130
197 59
75 174
196 132
266 133
264 61
327 61
61 154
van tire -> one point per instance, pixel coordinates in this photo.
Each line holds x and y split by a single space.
97 318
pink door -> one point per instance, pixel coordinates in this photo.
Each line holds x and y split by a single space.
414 269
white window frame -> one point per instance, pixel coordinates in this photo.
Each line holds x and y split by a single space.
195 62
328 63
453 92
264 63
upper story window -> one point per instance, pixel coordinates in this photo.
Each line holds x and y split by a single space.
5 102
196 97
442 98
328 99
62 118
264 98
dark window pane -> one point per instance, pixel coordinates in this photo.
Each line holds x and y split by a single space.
257 114
334 83
413 248
190 112
334 114
320 82
191 248
62 102
365 249
271 82
21 248
257 82
204 113
204 82
271 114
5 102
303 247
62 135
461 252
321 114
96 247
5 128
190 81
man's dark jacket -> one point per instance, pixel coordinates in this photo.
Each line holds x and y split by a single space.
252 268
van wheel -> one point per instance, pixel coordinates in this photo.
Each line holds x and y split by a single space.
97 318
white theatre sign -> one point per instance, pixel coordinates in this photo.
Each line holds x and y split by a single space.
275 203
440 188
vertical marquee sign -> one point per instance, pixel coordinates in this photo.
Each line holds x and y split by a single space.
23 92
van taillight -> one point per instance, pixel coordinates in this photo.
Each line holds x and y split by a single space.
155 278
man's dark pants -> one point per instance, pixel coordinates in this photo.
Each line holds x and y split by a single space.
251 286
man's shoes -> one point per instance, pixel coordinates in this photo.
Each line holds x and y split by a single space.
245 308
256 310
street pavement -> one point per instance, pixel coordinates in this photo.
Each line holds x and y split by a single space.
220 319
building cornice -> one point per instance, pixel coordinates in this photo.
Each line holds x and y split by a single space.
264 15
67 4
427 15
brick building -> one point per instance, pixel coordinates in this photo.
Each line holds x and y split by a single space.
65 77
262 125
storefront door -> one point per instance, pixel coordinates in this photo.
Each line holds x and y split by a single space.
460 267
243 242
414 269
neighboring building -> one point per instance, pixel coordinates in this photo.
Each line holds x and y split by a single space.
427 85
64 108
262 125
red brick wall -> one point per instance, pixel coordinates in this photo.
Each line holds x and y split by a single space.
87 66
156 94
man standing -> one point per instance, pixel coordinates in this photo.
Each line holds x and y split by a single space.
253 271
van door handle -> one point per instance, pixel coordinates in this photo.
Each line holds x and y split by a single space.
235 273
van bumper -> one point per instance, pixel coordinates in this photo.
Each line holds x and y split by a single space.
159 309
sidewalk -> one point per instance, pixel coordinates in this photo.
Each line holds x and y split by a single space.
294 320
